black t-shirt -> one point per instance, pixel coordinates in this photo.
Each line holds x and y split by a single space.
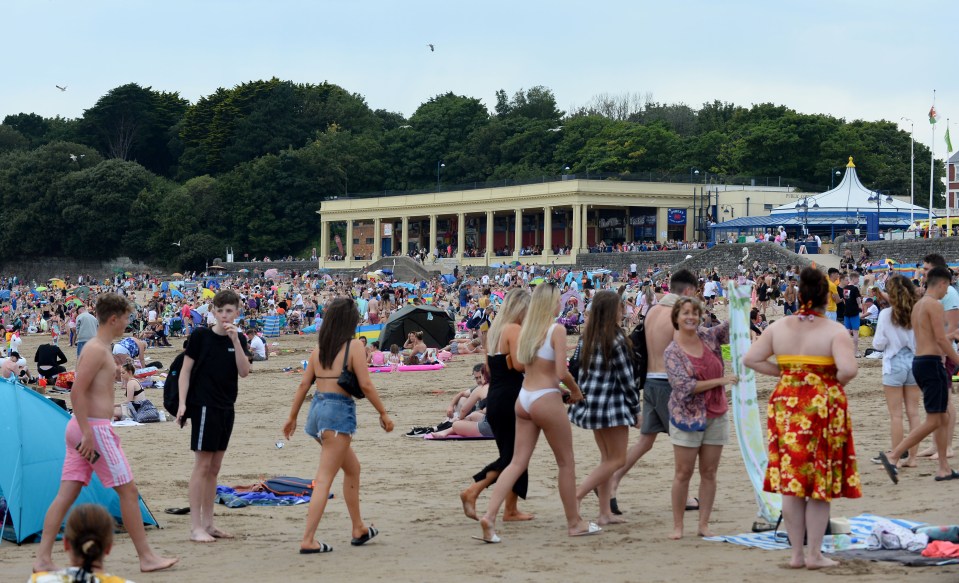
214 384
762 292
851 294
49 355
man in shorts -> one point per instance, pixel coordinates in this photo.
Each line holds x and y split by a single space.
656 390
950 303
93 446
852 298
207 399
930 374
833 275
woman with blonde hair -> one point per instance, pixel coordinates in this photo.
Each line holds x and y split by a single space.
539 407
895 338
505 381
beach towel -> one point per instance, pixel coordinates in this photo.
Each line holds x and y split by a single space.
861 527
901 557
230 498
750 425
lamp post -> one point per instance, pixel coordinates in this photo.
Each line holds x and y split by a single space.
833 175
877 198
728 210
804 205
695 218
439 164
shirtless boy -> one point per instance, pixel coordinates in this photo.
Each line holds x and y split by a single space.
927 366
92 445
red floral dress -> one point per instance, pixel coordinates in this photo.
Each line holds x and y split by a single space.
811 451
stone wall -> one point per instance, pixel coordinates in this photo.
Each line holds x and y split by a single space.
726 257
909 251
44 269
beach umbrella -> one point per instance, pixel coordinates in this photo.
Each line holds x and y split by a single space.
74 302
602 271
176 293
217 267
208 293
385 271
536 281
41 288
497 265
82 291
244 271
271 273
177 274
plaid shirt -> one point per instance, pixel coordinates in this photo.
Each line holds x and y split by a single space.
610 390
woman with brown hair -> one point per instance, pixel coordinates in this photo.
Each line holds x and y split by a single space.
895 338
812 458
698 423
611 404
88 539
332 418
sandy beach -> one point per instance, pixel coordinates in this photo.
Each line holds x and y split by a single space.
410 492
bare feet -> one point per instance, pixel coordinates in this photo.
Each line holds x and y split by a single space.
469 505
820 563
44 565
797 563
935 456
584 528
217 533
676 534
910 463
155 562
704 531
517 516
611 519
201 536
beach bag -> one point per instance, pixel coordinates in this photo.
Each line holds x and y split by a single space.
289 486
574 361
640 352
145 411
347 379
65 380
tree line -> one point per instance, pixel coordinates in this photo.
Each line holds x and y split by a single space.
247 167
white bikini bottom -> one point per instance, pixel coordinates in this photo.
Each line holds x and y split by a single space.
527 398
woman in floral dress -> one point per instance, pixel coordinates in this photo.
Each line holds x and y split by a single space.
811 454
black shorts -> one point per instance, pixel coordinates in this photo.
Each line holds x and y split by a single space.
210 428
932 379
655 406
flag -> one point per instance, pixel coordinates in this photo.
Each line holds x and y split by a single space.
948 140
933 116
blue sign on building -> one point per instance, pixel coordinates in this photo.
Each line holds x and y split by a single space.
676 216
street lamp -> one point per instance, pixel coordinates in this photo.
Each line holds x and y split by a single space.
833 175
877 198
728 210
804 205
439 164
912 171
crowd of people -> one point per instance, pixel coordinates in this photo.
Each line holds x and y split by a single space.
648 356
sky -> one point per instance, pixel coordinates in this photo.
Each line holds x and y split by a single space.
854 59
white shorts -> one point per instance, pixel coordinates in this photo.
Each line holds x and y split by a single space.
716 433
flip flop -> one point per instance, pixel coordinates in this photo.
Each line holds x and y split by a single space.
490 541
593 529
178 511
324 548
693 506
892 470
370 533
614 507
953 476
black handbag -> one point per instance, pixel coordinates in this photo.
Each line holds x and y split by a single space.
574 361
347 379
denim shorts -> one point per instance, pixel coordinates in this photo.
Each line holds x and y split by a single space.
331 412
900 370
852 323
484 427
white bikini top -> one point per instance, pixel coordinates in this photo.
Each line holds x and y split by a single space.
546 351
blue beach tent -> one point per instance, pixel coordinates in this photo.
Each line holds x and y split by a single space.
31 459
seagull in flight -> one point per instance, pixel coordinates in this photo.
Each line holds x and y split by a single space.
64 88
177 243
76 158
432 48
556 129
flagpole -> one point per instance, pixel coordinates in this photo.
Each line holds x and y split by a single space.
912 172
932 161
948 222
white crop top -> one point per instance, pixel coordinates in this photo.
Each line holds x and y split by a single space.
546 351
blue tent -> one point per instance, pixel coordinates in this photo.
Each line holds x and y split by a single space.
32 450
4 294
448 278
271 326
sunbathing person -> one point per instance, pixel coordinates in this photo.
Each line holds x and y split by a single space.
471 419
132 392
464 346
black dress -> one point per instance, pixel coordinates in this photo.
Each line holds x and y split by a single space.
504 386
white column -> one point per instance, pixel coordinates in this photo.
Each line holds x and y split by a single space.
489 235
576 227
377 239
518 233
349 240
547 231
406 236
324 241
431 242
460 235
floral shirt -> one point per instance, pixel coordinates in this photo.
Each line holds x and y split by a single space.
687 410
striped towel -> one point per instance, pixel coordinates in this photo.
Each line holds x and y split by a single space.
861 526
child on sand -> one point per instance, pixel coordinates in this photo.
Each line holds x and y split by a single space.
220 355
92 445
88 538
927 367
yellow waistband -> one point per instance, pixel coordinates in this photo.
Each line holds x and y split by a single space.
786 359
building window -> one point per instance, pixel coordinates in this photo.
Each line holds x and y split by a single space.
369 240
356 241
767 207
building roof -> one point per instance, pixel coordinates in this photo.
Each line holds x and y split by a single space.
954 159
849 196
773 221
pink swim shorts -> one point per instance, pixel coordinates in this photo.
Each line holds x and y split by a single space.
112 468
